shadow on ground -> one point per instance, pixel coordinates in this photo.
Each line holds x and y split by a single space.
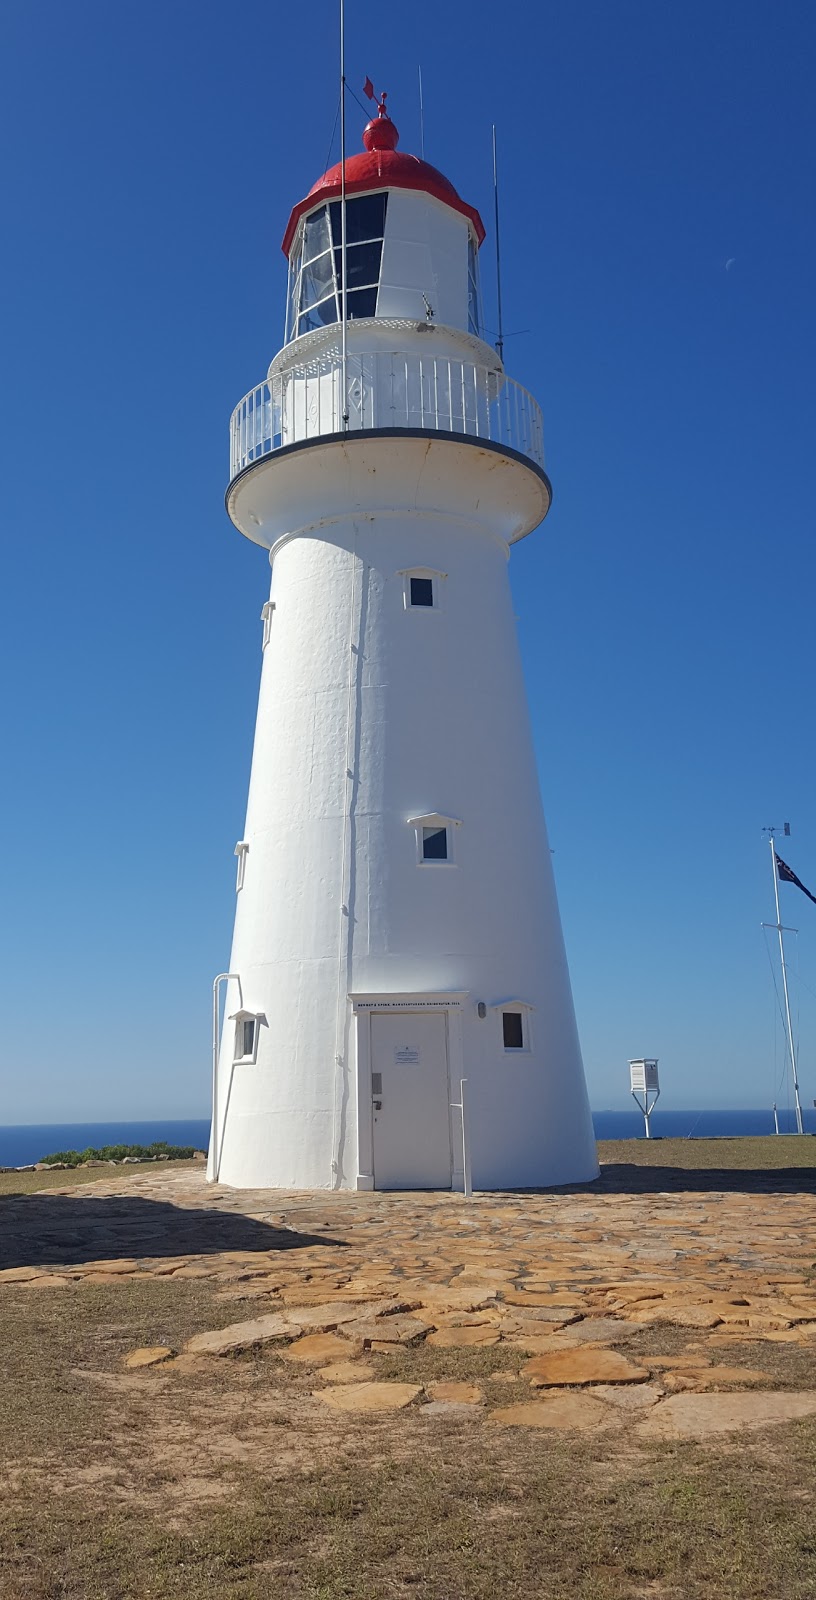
64 1230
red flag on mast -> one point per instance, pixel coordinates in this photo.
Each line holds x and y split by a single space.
368 90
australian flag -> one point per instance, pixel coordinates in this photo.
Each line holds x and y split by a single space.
787 876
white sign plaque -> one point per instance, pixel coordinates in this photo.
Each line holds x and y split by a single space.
406 1055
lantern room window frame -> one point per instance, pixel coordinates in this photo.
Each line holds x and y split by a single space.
315 265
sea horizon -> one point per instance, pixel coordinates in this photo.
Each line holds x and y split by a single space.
22 1144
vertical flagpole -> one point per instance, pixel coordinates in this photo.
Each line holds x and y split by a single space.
421 118
343 278
796 1100
500 339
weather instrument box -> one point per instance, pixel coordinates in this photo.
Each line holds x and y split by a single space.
643 1076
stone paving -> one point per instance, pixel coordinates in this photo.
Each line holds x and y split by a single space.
568 1278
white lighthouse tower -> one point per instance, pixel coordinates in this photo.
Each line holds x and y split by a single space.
396 926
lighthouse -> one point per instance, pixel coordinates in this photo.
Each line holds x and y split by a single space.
397 1012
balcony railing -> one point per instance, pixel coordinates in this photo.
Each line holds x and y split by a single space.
384 390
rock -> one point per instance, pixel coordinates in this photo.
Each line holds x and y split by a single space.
603 1330
242 1335
529 1298
459 1394
328 1315
199 1155
49 1280
317 1347
370 1396
453 1338
149 1356
347 1372
387 1330
696 1416
629 1396
711 1377
18 1274
581 1366
567 1410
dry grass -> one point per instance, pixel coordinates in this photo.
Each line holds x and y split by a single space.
73 1177
732 1155
225 1478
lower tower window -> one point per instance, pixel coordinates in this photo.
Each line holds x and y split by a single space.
513 1030
516 1032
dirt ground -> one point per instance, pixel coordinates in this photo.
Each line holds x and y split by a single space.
601 1394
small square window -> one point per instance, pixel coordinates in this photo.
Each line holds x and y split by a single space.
422 591
245 1038
513 1030
266 618
241 850
434 844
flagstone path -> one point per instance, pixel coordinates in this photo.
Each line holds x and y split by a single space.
570 1278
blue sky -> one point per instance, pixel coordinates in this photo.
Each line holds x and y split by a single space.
151 155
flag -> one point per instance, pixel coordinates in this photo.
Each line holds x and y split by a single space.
787 876
368 90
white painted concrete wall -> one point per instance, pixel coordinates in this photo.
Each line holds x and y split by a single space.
427 712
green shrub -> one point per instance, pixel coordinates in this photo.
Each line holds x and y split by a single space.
117 1152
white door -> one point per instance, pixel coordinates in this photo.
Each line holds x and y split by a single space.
411 1100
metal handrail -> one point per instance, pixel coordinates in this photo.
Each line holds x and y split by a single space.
385 389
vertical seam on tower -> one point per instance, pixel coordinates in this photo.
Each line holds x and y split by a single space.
345 909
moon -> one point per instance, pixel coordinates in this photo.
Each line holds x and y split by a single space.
729 263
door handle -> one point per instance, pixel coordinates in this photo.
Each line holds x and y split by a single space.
378 1105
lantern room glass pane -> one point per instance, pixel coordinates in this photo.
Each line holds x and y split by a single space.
365 218
316 234
474 316
316 281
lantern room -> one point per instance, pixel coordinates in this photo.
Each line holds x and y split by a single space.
411 244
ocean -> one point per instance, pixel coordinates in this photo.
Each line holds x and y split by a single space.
19 1146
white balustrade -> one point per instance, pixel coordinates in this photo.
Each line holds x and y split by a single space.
385 389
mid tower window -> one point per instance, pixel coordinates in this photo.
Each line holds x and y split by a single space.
422 591
434 839
434 844
316 267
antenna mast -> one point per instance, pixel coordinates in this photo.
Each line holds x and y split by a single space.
780 930
500 339
421 118
343 280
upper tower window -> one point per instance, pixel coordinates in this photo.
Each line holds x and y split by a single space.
316 266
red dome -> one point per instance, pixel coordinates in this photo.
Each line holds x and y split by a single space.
380 166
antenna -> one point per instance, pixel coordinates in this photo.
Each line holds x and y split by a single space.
343 288
500 339
421 118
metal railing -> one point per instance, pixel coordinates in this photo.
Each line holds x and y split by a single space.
386 389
